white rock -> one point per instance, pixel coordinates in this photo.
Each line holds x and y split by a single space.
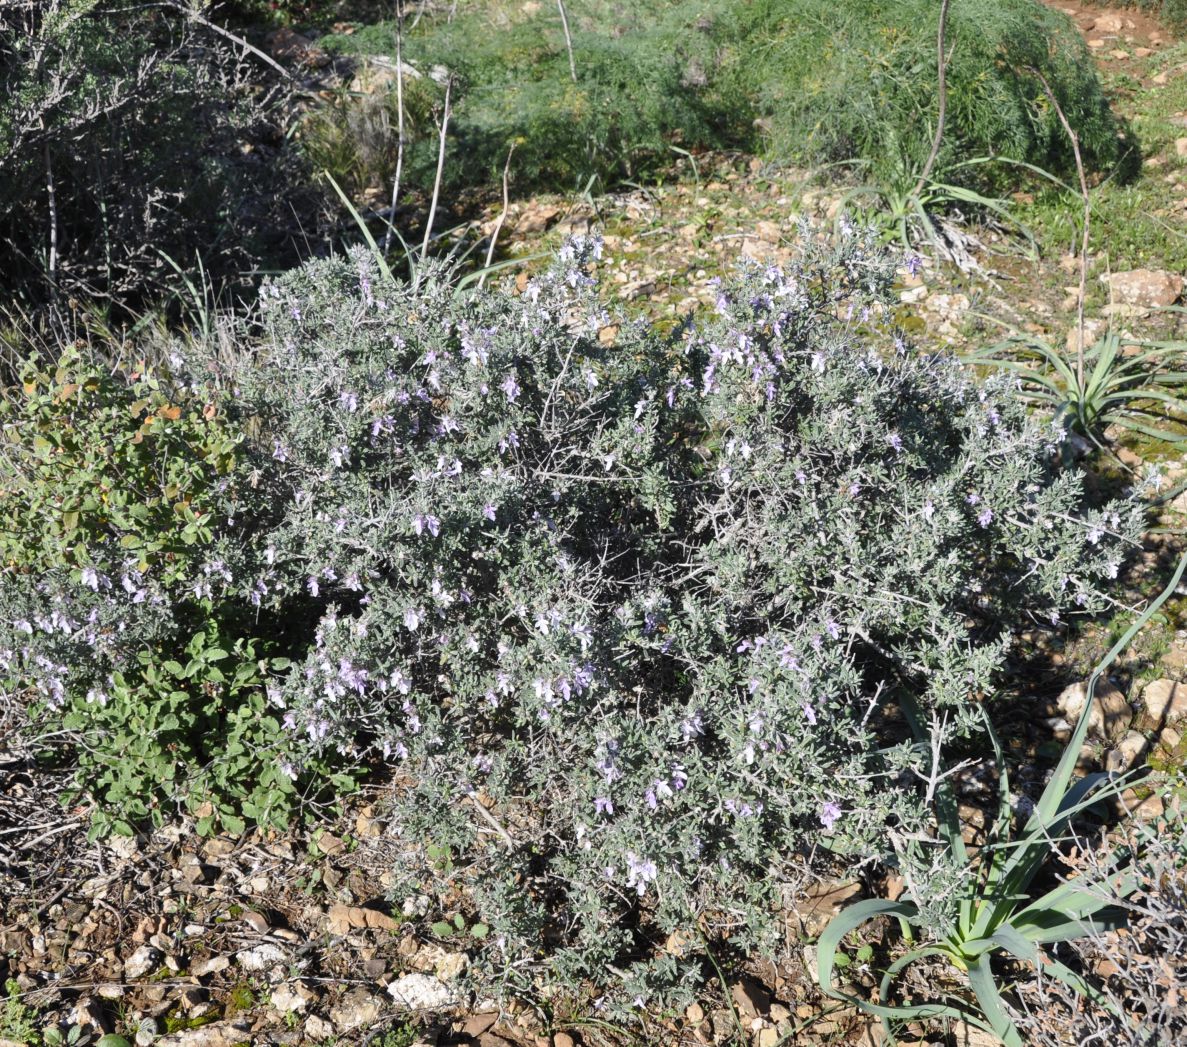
355 1010
261 957
287 1000
141 962
1164 703
220 1034
1146 288
318 1028
422 992
211 965
1128 754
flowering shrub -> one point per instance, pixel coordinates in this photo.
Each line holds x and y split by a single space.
631 620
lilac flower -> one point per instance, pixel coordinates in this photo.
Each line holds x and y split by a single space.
412 617
279 451
809 714
640 872
510 388
914 265
422 522
985 517
349 400
833 629
829 814
602 805
90 577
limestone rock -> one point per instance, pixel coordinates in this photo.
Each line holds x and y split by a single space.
1129 753
422 992
1145 288
355 1010
261 957
1093 329
143 961
1164 704
288 1000
1110 715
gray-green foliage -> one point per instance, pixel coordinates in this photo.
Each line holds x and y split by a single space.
628 619
849 80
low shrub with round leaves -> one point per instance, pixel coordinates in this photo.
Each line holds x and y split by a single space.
123 499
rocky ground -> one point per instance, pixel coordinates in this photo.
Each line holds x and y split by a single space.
173 939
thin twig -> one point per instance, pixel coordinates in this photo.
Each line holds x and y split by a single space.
492 821
53 221
424 250
1084 238
391 225
942 109
560 5
189 12
494 236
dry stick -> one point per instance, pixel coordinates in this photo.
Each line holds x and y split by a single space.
560 4
391 218
1084 239
53 221
491 820
942 109
494 236
424 250
189 12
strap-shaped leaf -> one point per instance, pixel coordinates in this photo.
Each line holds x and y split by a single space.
1016 944
1109 918
990 1000
1052 796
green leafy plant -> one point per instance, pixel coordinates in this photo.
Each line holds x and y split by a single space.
995 914
1135 387
16 1017
103 462
910 214
124 502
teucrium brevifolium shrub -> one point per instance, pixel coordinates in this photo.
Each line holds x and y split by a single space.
627 618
